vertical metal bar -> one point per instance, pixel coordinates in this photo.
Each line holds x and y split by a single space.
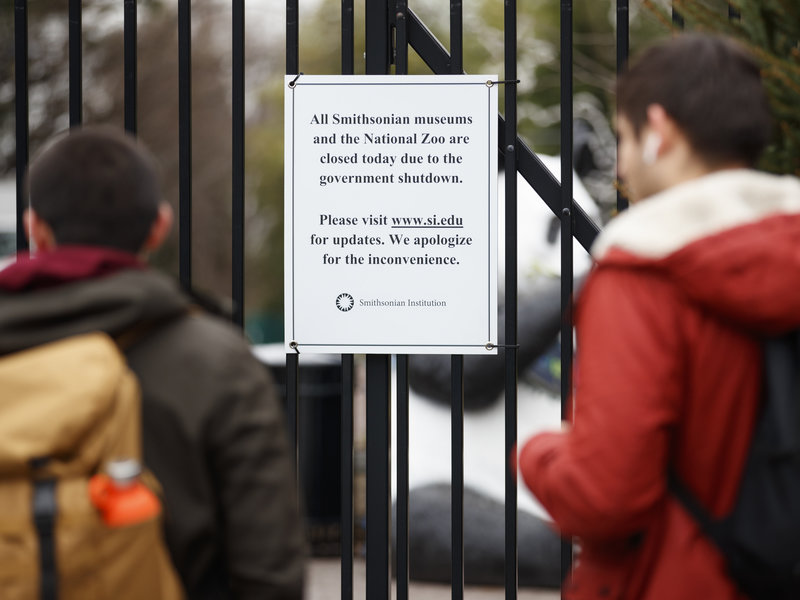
347 478
511 359
457 476
457 375
292 395
185 141
402 528
378 477
401 533
677 19
623 34
348 38
377 45
75 64
401 37
21 115
566 229
456 38
292 37
21 112
237 127
129 35
377 37
348 68
623 50
292 376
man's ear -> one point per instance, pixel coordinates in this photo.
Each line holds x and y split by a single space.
160 228
651 148
40 234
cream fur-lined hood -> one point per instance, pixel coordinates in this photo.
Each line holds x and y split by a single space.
731 240
666 222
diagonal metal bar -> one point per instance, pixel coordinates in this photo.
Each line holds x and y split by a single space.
426 45
547 186
529 166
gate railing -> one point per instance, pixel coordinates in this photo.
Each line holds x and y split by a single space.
409 31
391 28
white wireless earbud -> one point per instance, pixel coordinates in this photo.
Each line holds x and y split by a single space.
652 144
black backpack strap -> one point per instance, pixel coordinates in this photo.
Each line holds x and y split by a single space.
707 524
44 518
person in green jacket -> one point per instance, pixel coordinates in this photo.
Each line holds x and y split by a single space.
213 425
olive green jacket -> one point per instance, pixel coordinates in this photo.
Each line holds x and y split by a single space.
214 428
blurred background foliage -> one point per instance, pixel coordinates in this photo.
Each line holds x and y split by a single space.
157 104
770 27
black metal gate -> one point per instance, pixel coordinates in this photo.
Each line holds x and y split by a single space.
391 28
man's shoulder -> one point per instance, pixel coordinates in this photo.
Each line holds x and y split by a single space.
198 364
198 335
170 314
179 328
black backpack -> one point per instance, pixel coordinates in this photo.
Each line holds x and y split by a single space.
760 539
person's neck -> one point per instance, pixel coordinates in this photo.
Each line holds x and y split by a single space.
684 165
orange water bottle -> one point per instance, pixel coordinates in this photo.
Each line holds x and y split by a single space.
120 495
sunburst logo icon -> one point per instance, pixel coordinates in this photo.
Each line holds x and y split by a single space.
344 302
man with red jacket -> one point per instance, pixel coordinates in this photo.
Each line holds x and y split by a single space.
704 264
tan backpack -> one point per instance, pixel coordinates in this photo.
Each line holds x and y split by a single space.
67 408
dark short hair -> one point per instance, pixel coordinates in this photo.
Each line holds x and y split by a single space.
711 86
96 186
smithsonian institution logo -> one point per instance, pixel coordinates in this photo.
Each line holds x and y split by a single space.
345 302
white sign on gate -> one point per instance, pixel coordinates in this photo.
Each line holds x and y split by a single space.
391 214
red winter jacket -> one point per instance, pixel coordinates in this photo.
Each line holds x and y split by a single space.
667 373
